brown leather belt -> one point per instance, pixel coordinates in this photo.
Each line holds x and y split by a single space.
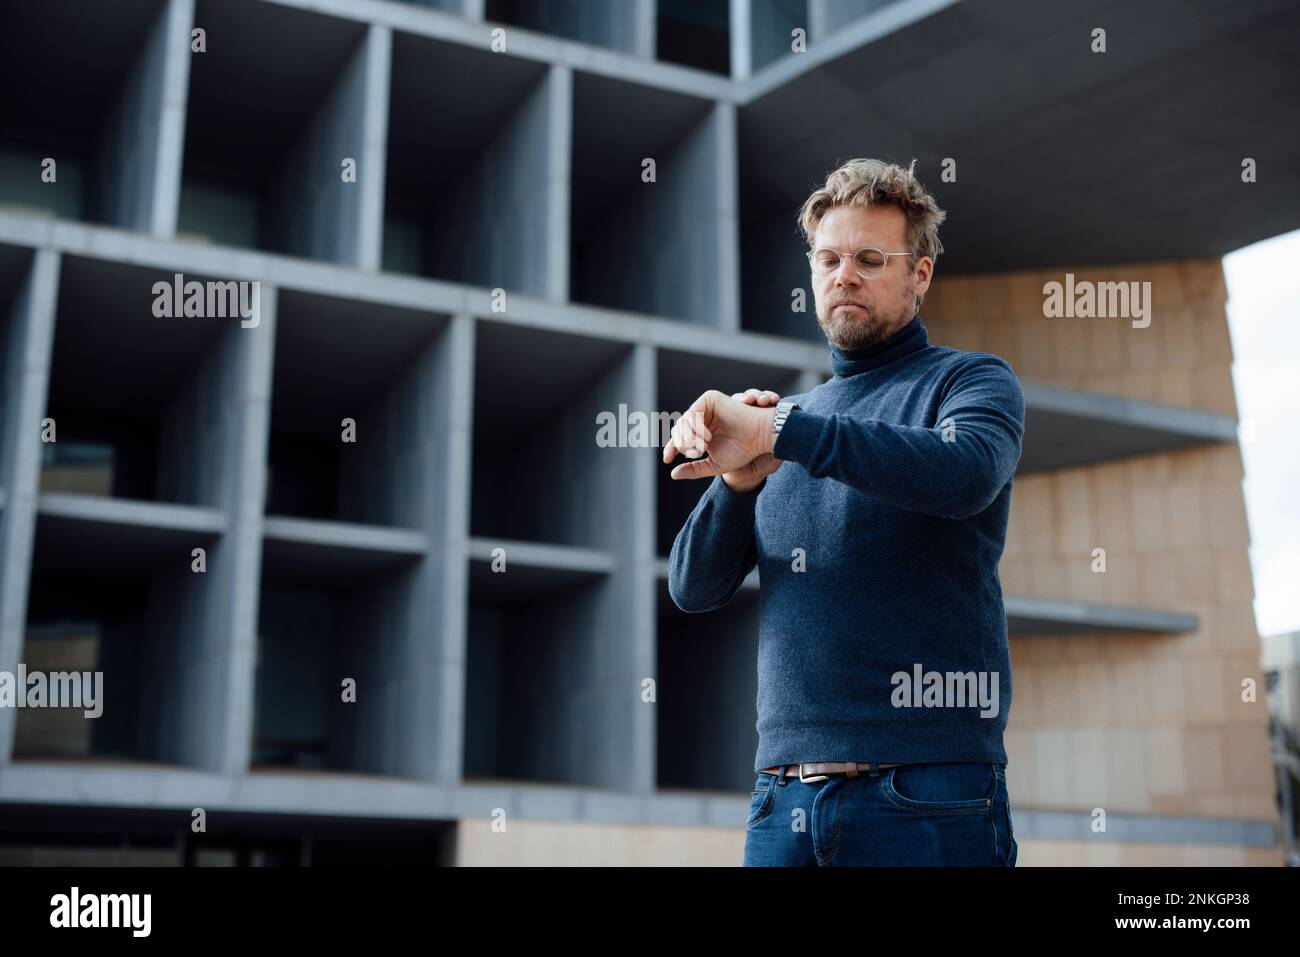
821 771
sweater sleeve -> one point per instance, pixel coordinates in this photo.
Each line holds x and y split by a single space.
953 469
715 550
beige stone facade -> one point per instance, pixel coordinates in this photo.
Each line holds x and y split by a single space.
1132 723
565 844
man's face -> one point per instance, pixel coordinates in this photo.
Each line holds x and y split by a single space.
855 312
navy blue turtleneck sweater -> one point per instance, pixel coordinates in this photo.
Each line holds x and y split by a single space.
883 635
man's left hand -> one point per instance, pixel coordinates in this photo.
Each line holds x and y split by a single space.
733 433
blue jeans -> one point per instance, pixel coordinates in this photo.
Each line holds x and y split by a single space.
913 815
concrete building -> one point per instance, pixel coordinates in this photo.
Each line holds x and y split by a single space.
1282 671
244 516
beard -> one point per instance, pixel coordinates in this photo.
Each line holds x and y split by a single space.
858 329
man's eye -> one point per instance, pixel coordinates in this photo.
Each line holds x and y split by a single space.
828 262
871 259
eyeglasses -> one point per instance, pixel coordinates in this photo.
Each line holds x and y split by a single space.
871 262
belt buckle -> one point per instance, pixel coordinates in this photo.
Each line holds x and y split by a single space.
812 780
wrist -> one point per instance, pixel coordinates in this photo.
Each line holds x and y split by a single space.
768 422
780 416
739 487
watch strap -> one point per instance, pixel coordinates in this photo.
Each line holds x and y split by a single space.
783 409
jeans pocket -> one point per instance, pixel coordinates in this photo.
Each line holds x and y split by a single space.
957 788
761 799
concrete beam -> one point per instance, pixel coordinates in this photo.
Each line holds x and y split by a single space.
1030 616
344 795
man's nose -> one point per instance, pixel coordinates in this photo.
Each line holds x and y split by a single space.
847 274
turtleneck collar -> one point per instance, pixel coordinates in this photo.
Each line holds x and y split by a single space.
910 338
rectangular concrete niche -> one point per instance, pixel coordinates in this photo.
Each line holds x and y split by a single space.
339 360
63 835
98 120
682 378
546 699
328 614
142 405
707 668
292 840
829 16
467 186
15 267
695 33
119 597
771 23
606 23
538 473
647 247
775 278
86 836
263 169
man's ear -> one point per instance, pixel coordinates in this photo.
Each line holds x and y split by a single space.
924 275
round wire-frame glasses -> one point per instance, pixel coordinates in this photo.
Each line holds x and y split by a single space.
870 261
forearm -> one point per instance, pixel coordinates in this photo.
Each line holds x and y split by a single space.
952 470
715 550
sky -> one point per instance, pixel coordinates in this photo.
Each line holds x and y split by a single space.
1263 283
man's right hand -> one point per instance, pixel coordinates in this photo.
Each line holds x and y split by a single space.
749 477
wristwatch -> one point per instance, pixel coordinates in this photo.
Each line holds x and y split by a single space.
782 413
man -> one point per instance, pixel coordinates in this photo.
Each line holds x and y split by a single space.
875 507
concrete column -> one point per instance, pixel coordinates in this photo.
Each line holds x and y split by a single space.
452 424
558 173
817 17
644 43
138 159
741 40
374 158
28 341
727 213
312 211
196 660
200 663
637 577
